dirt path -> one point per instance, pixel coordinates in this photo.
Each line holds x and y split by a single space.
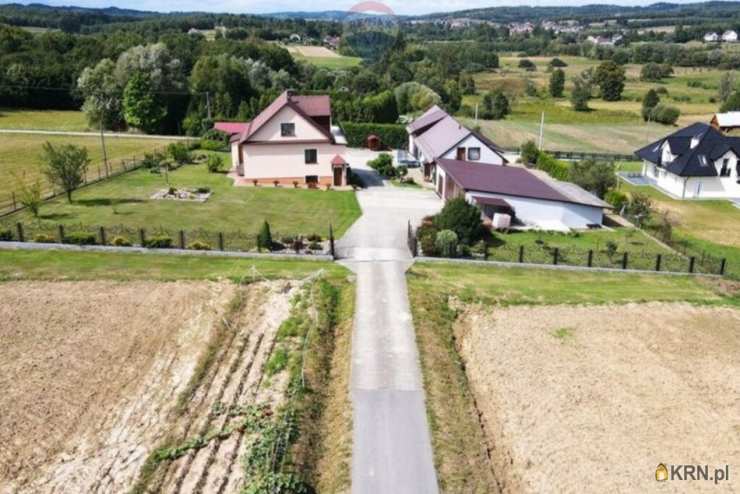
592 399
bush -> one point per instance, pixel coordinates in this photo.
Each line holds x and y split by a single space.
215 140
179 152
79 238
556 62
198 245
43 238
264 238
383 164
446 243
315 246
314 237
529 152
655 72
556 169
152 161
120 242
159 242
203 190
462 218
214 163
391 135
616 199
6 236
527 65
426 235
667 115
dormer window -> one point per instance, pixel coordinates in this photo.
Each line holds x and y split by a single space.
725 170
287 129
695 141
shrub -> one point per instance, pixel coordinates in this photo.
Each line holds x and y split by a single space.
446 243
214 163
462 218
198 245
655 71
264 238
391 135
79 238
6 236
426 235
616 199
179 152
297 244
529 152
527 65
152 161
43 238
664 114
662 90
314 237
611 248
203 190
639 208
120 242
315 246
158 242
383 164
215 140
556 62
556 169
278 361
596 177
464 251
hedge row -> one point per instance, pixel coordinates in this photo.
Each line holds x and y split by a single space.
391 135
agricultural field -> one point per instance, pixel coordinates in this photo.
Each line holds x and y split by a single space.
177 385
126 200
322 57
610 126
473 364
30 119
21 155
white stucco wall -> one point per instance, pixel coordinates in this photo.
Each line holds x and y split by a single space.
304 130
696 187
538 212
288 160
487 155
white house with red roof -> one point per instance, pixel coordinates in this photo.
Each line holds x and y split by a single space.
291 142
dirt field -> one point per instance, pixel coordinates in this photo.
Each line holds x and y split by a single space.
592 399
88 394
312 51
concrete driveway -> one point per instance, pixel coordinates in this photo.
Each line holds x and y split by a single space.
392 450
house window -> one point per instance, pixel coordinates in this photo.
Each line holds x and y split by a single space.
460 154
311 156
725 171
473 154
312 180
287 129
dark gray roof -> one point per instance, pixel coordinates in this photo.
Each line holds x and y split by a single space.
507 180
696 161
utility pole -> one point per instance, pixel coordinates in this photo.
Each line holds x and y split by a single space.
542 130
476 114
208 104
102 135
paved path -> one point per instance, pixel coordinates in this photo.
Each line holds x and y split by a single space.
392 451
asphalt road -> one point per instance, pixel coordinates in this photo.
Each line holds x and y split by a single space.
392 451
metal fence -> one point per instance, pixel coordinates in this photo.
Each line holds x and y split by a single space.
161 237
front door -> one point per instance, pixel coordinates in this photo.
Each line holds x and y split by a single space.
338 176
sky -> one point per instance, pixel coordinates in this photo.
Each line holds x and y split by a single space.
402 7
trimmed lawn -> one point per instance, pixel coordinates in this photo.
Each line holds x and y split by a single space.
21 154
125 200
31 119
627 239
511 286
333 63
61 265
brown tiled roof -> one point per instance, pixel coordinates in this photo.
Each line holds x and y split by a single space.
306 106
231 128
429 117
505 180
338 161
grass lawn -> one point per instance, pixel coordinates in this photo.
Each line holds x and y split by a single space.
125 200
66 120
60 265
627 239
708 226
21 154
510 286
333 63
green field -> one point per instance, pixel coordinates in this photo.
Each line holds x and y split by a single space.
20 155
28 119
58 265
125 200
333 63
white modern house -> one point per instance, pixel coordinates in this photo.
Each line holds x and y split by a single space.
729 36
696 162
435 135
726 122
292 142
711 37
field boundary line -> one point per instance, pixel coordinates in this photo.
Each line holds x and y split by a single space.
112 135
561 267
173 252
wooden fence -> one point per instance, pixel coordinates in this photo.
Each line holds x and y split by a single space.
10 202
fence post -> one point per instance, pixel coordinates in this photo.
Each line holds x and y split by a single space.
692 261
722 264
624 260
15 206
658 260
485 251
555 256
220 241
521 254
331 242
103 240
182 239
590 258
61 234
21 238
142 237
